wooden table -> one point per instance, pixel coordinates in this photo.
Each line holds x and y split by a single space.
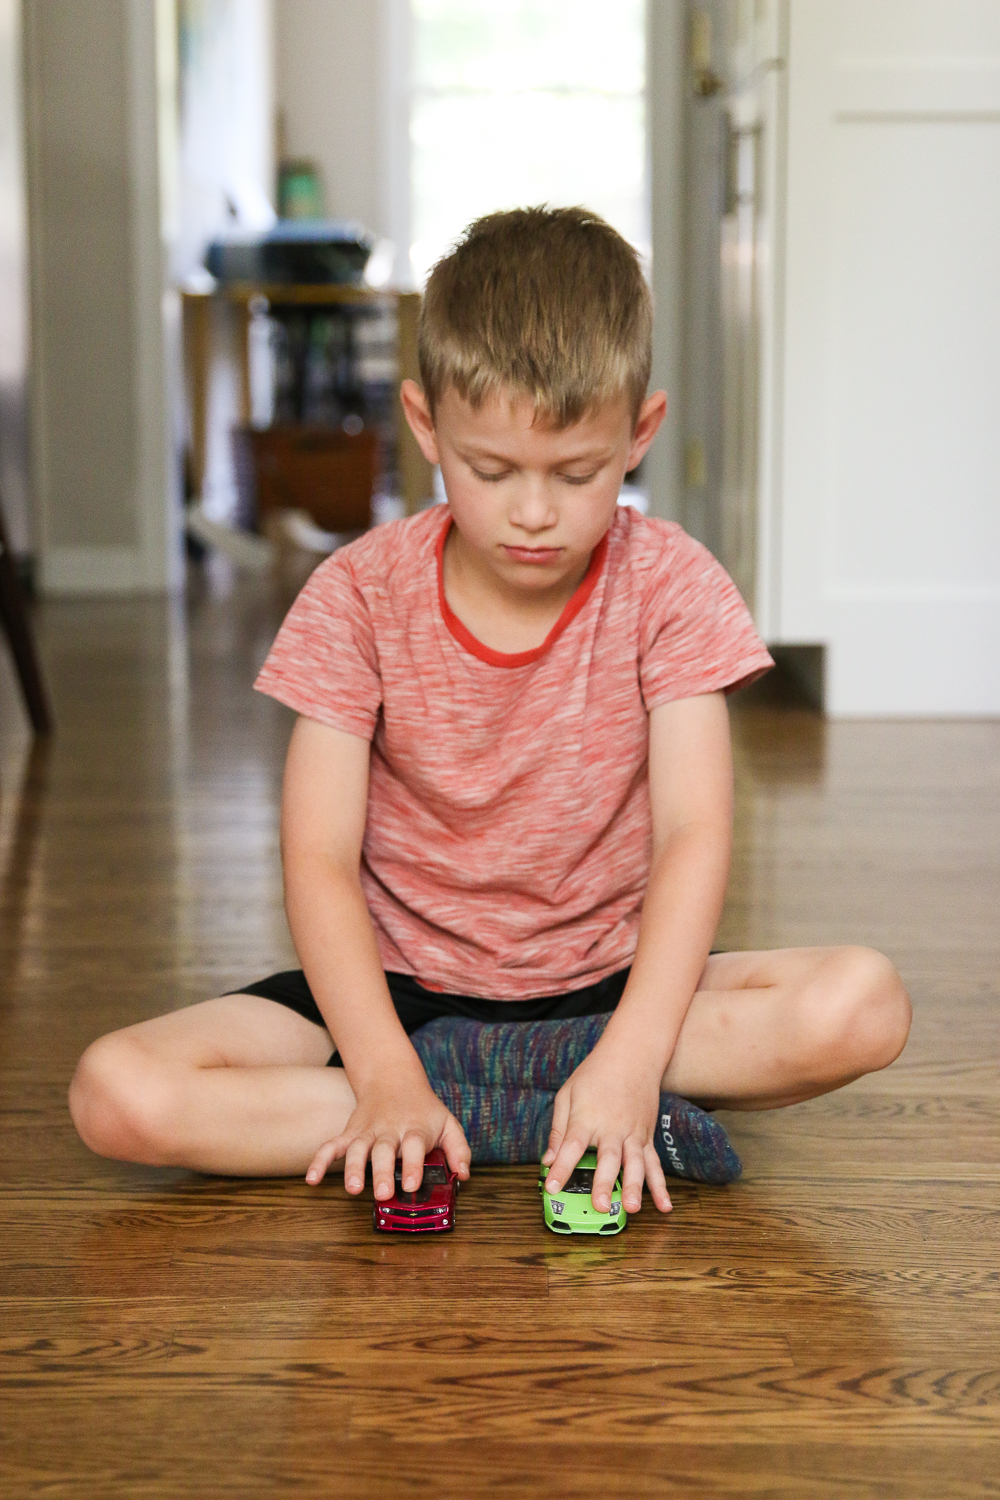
415 472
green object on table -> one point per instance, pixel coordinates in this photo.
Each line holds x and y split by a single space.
572 1212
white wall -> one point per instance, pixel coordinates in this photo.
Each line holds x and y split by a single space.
342 93
226 127
329 90
103 478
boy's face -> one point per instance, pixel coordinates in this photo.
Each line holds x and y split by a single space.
530 503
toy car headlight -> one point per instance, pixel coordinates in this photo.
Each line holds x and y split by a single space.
557 1207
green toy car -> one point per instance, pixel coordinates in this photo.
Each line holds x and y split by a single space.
571 1211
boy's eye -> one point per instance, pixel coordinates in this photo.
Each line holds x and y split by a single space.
491 476
578 478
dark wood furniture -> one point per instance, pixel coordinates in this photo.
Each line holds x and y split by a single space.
199 311
17 624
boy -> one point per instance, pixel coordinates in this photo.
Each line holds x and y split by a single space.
507 798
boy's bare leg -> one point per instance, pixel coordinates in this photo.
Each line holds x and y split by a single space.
236 1085
773 1028
239 1085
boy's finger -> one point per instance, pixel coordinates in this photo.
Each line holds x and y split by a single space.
456 1147
354 1165
413 1151
383 1168
655 1180
560 1119
633 1172
609 1160
566 1159
318 1167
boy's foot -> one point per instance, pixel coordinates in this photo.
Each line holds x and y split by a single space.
691 1144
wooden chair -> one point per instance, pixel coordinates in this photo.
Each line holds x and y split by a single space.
17 623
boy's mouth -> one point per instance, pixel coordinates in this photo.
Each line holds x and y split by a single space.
535 555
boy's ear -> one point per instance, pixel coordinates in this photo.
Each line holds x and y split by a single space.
651 414
418 416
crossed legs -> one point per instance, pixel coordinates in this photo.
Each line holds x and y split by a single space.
239 1086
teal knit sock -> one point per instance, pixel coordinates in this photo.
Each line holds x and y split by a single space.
502 1126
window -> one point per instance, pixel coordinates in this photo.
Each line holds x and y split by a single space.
517 102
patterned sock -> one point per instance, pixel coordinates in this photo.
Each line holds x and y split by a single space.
691 1144
497 1068
502 1126
507 1054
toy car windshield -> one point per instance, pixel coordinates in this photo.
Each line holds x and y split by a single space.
434 1176
581 1181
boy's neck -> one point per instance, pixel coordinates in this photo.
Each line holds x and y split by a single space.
502 618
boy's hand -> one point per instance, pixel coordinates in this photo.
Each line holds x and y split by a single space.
401 1118
612 1108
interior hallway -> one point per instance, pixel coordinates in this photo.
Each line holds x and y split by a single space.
829 1325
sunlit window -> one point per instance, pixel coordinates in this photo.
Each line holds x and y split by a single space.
519 102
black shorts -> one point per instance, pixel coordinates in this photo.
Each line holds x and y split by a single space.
415 1006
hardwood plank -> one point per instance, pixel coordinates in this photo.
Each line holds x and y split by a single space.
891 1471
86 1334
723 1277
641 1402
612 1400
70 1457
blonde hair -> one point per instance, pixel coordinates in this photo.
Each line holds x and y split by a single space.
548 303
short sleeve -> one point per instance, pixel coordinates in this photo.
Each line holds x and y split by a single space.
696 634
324 662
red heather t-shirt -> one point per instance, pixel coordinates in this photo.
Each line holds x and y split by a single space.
508 839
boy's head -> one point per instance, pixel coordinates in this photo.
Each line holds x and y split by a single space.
544 304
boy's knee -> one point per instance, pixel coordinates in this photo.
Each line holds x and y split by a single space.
119 1102
859 1011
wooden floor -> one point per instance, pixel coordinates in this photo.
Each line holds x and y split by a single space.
830 1326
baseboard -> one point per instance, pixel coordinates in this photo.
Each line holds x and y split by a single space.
91 570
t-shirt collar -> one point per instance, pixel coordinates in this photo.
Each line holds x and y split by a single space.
475 647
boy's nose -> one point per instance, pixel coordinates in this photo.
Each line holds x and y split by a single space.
534 510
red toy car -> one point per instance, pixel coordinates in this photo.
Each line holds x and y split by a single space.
430 1209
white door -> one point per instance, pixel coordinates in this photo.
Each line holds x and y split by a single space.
887 494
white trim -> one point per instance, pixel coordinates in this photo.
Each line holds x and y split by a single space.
157 500
770 417
666 82
92 570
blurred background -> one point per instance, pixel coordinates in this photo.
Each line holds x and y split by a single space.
216 217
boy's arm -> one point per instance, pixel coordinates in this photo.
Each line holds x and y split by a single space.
611 1100
324 809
